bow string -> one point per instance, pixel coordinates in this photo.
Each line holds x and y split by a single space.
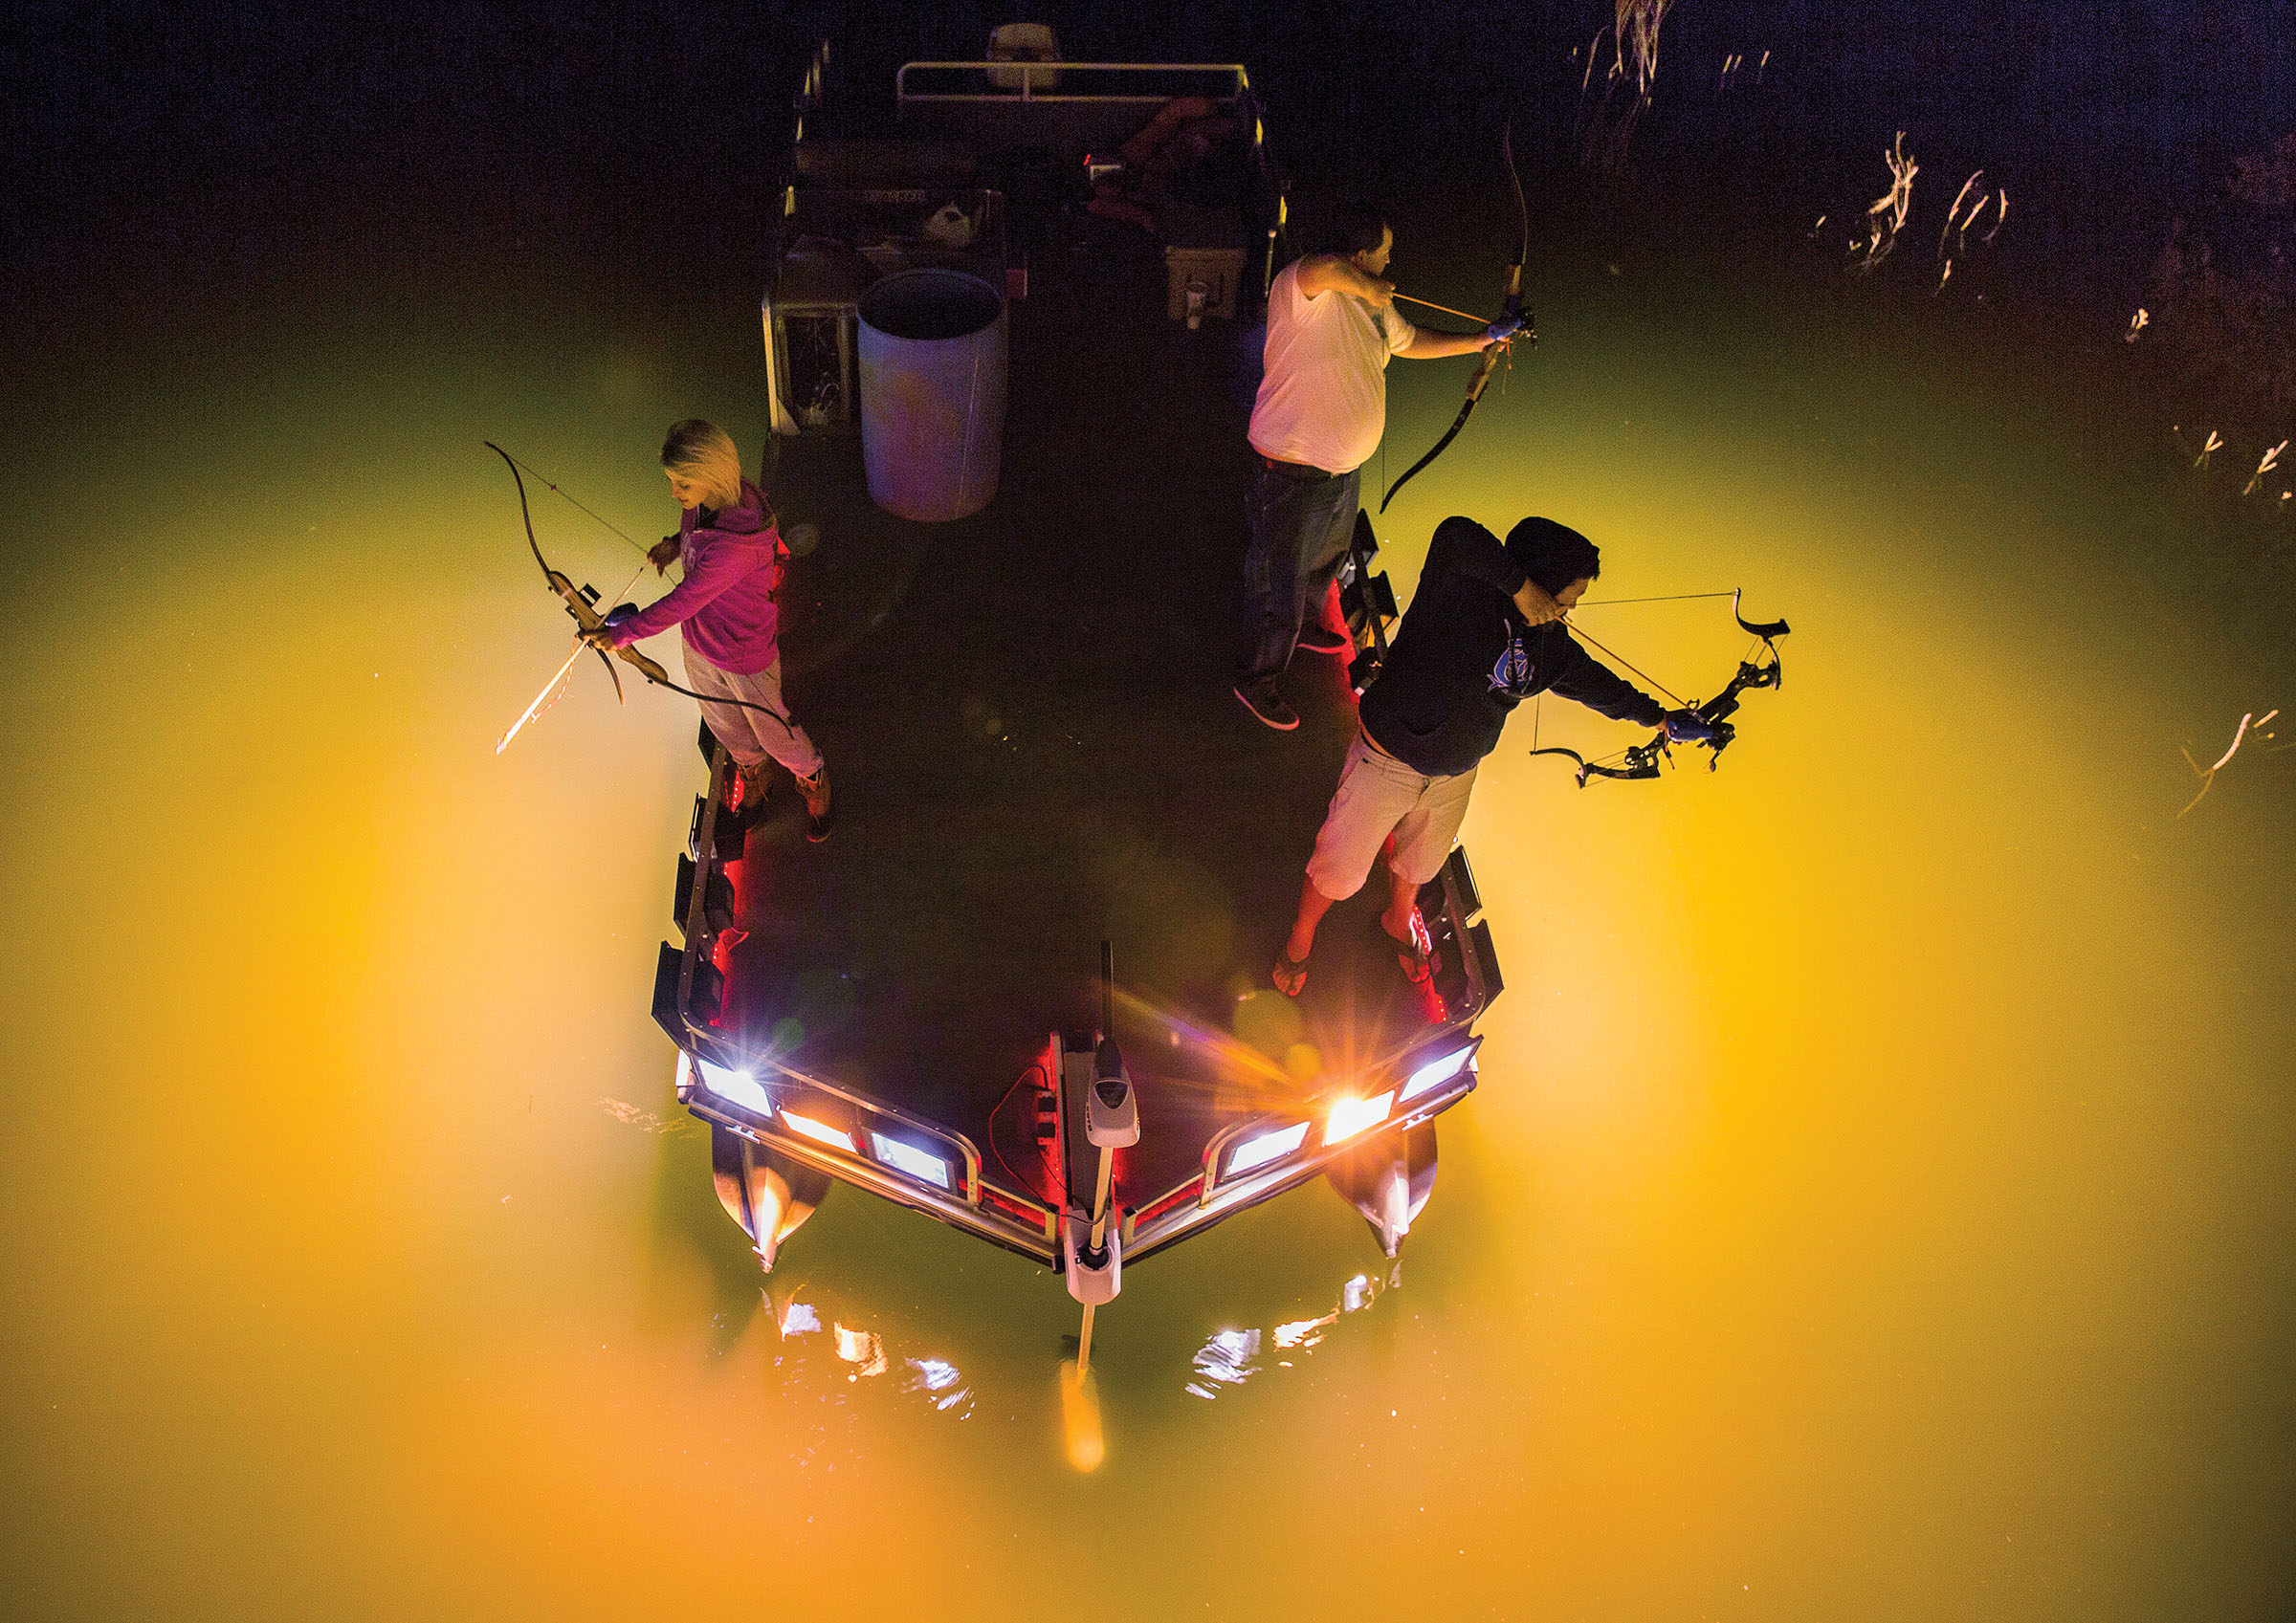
1762 669
1511 306
582 606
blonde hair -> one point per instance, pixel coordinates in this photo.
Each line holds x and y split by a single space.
704 453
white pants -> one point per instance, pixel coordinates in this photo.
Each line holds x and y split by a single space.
750 735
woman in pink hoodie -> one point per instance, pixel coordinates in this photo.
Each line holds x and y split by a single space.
733 553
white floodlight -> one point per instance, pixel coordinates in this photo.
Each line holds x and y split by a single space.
736 1088
1256 1152
820 1132
1350 1116
910 1159
1436 1072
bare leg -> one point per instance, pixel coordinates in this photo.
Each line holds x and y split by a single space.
1314 903
1402 904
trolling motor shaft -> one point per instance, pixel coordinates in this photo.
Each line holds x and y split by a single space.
1100 1115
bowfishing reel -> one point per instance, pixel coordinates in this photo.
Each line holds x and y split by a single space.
1645 759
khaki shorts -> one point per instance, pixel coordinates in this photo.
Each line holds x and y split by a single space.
1380 796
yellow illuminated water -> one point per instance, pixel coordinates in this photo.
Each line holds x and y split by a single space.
1875 1204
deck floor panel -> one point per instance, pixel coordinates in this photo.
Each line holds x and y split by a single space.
1034 747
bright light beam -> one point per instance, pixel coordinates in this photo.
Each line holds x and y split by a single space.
535 708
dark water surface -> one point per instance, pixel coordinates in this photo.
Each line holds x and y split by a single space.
1876 1204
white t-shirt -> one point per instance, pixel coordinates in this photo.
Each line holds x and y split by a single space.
1324 398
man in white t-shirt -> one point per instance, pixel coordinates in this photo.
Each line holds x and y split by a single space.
1322 407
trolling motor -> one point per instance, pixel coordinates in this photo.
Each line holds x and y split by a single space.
1097 1095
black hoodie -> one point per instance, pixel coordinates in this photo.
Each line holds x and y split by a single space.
1464 657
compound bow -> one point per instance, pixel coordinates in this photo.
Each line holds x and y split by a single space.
1642 761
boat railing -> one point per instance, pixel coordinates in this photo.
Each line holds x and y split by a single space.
1080 108
864 1141
1249 1160
1045 81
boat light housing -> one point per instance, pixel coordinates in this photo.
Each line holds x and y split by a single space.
736 1088
820 1132
1436 1072
1347 1117
1350 1116
1256 1152
912 1151
907 1159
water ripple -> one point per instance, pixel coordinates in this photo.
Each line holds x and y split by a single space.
1232 1357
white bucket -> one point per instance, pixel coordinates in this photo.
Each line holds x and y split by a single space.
932 393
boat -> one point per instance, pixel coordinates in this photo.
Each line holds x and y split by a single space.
1023 988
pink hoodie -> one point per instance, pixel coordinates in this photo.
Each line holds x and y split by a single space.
725 601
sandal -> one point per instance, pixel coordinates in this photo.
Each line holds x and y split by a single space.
1417 956
1291 973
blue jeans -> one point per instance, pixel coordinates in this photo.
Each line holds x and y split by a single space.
1301 519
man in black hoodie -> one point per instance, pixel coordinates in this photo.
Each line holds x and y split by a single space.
1464 657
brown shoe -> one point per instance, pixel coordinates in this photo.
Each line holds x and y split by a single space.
816 791
751 785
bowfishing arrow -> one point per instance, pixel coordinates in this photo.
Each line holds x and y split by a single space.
543 700
1761 670
582 606
1510 308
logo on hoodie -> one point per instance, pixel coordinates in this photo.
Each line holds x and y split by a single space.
1512 675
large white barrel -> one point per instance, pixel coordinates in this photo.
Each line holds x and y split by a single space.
932 393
